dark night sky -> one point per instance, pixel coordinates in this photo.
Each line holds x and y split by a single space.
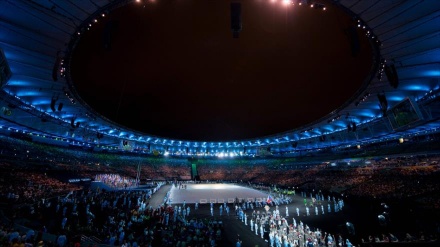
174 70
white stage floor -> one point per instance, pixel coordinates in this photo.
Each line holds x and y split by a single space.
215 193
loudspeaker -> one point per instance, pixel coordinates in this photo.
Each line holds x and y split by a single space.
354 41
383 103
52 104
391 73
236 25
109 31
60 106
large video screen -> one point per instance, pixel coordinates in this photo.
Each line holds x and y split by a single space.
404 114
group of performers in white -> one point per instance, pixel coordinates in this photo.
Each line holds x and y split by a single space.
282 228
283 233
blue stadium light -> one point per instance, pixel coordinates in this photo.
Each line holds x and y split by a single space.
27 94
14 82
433 73
395 98
416 87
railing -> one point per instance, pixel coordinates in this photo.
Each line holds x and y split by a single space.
86 240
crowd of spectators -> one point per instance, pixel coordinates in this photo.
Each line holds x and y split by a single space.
383 177
117 181
30 175
385 238
114 218
28 186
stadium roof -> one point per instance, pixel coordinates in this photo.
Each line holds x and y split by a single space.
173 68
40 98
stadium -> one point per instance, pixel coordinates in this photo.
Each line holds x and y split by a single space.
219 123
